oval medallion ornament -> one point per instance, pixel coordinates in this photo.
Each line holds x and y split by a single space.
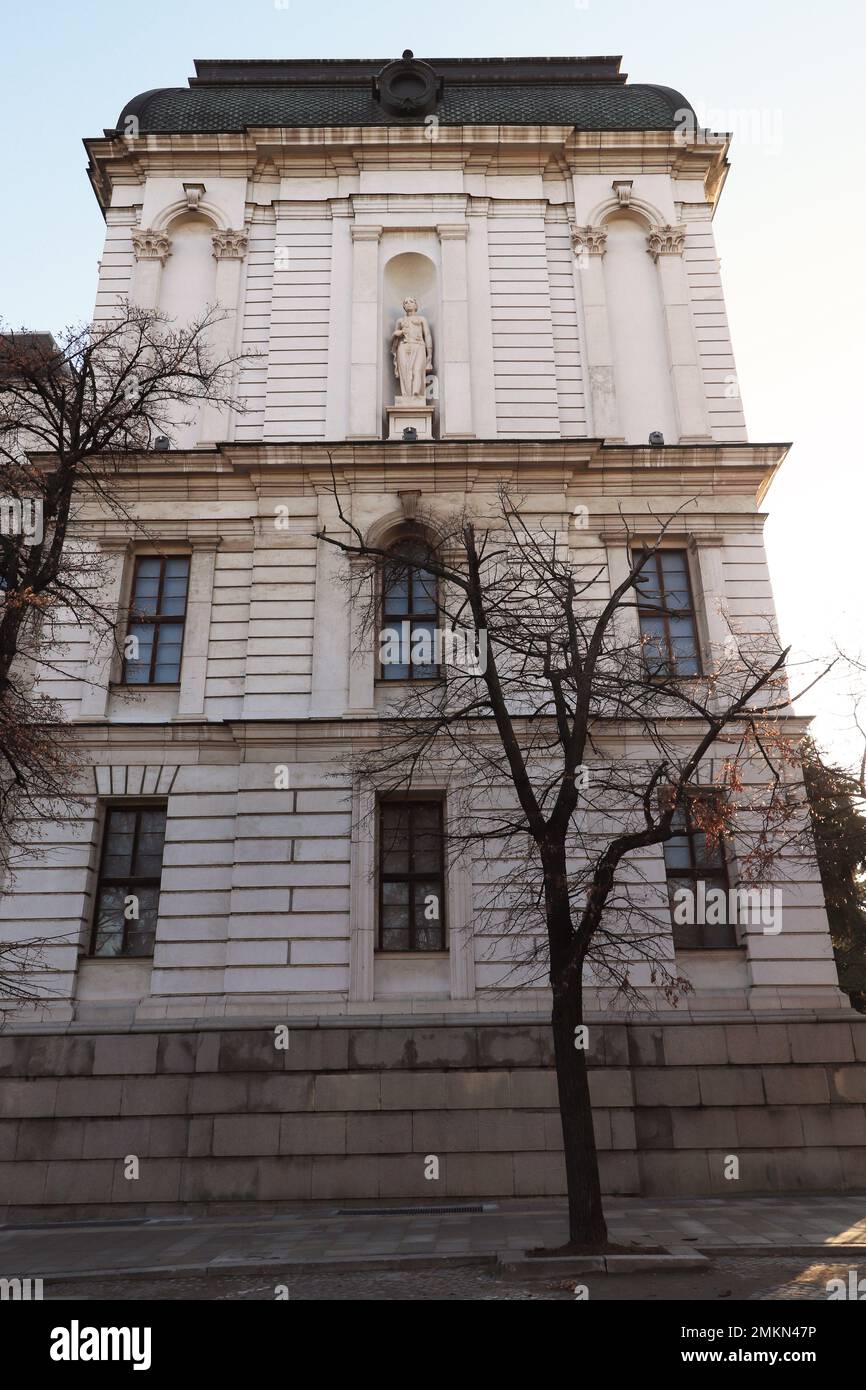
407 87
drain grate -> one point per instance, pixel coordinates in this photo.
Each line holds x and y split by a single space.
415 1211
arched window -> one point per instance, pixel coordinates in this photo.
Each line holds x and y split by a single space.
408 635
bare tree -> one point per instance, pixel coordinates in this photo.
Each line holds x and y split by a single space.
73 413
579 747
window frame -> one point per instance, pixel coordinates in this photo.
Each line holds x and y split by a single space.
156 619
411 877
654 611
713 876
129 880
389 620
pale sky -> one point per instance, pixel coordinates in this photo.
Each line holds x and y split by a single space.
783 75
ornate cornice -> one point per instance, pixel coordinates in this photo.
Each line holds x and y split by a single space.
362 231
148 245
667 240
230 245
590 241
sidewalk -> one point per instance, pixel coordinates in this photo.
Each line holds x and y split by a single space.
326 1236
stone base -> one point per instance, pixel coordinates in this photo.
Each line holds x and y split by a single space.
352 1110
406 413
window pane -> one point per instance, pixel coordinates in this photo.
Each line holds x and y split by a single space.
395 840
141 932
136 671
395 894
151 838
168 652
174 585
146 589
423 592
423 650
677 853
396 589
108 939
117 853
428 915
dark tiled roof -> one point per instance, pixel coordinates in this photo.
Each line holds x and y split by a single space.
232 97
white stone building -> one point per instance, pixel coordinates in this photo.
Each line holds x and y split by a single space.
555 224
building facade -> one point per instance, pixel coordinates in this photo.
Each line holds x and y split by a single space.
553 226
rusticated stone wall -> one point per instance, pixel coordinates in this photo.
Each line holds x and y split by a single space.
352 1110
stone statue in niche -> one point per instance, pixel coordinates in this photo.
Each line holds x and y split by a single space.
412 351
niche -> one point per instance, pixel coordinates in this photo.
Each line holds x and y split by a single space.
187 290
409 273
644 392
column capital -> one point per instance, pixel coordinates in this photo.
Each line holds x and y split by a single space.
230 245
148 245
701 539
452 231
362 231
667 240
589 240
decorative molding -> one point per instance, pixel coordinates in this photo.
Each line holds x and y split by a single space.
193 192
362 231
622 188
230 245
148 245
409 502
452 231
666 240
589 240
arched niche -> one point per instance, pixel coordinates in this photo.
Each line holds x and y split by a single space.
188 283
408 273
644 391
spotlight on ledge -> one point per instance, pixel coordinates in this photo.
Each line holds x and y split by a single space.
657 439
410 435
162 443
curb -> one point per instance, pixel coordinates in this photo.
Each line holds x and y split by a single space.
540 1267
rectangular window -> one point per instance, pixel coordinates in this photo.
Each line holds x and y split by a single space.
695 861
157 612
667 615
411 876
407 640
127 899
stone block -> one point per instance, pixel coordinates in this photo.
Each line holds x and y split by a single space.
339 1178
47 1139
821 1042
207 1055
404 1090
615 1042
612 1087
769 1126
211 1094
289 1091
219 1180
848 1084
313 1134
379 1133
653 1127
285 1179
858 1037
796 1085
731 1086
131 1054
8 1140
487 1090
483 1175
539 1175
853 1169
388 1048
177 1052
159 1180
695 1044
253 1050
23 1183
200 1136
534 1090
317 1050
403 1175
517 1046
349 1091
808 1170
155 1095
682 1173
679 1086
446 1131
46 1055
623 1129
23 1098
254 1135
836 1126
619 1174
754 1043
645 1046
85 1095
117 1138
704 1129
80 1182
169 1136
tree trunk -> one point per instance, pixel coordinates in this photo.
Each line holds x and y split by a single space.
586 1224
